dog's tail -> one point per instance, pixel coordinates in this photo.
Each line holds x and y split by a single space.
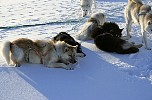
5 50
127 51
135 1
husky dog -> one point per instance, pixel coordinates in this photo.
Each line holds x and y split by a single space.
108 38
137 12
45 52
86 6
108 27
63 36
93 22
107 42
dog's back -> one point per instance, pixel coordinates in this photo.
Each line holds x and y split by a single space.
108 27
107 42
24 43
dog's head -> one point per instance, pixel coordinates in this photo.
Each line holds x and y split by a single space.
85 9
67 53
100 17
112 28
148 23
63 36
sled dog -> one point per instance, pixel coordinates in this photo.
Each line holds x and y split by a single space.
137 12
86 6
93 22
107 42
23 50
108 38
108 27
63 36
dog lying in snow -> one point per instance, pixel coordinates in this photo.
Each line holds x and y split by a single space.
63 36
93 22
23 50
86 6
108 38
107 27
137 12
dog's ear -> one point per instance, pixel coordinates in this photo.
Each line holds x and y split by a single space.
68 47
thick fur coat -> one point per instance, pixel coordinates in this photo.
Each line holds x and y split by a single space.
108 38
63 36
45 52
93 22
137 12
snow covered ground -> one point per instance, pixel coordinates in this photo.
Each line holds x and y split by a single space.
98 76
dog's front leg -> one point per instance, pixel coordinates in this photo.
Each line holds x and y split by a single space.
145 40
60 65
94 1
128 29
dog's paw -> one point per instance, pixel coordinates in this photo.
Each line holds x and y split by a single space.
17 65
148 48
69 67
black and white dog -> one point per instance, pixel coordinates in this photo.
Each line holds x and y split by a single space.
108 38
63 36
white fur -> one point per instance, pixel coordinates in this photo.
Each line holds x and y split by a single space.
86 6
5 51
141 16
89 26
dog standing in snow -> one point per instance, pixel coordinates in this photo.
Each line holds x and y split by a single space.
86 6
93 22
137 12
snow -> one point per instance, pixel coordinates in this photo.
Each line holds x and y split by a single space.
98 76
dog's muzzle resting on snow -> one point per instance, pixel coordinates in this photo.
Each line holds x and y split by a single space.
23 50
137 12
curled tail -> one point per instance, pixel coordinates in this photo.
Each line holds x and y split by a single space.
6 51
135 1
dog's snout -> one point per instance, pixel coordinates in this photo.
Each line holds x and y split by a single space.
73 61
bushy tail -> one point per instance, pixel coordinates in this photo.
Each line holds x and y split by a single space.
6 51
135 1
